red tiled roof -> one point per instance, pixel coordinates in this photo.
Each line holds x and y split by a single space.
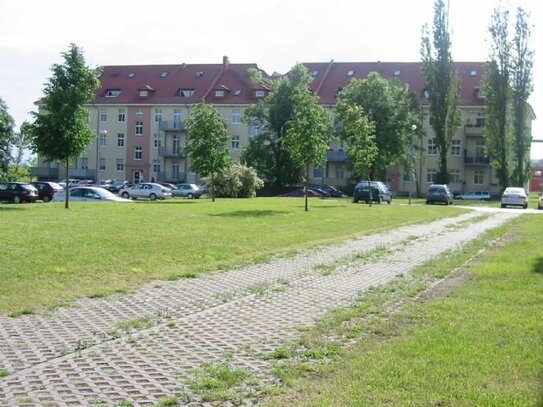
331 77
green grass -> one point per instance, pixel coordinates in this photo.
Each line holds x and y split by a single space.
51 256
480 345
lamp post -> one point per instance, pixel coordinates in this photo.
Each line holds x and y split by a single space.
412 156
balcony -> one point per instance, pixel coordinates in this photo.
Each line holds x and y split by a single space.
171 125
44 172
170 152
82 173
473 130
169 176
336 156
477 161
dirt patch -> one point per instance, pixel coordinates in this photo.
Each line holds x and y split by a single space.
445 286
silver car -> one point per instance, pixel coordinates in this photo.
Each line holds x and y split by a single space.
514 196
148 190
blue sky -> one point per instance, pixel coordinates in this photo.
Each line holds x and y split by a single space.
276 34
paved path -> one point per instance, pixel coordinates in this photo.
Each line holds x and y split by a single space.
87 355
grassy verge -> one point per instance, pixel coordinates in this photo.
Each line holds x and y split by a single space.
476 345
50 255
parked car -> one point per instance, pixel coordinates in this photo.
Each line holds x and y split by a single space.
299 192
475 196
330 190
46 189
71 182
540 202
187 191
439 193
149 190
379 192
117 185
18 192
90 194
514 196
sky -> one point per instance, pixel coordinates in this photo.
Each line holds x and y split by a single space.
275 34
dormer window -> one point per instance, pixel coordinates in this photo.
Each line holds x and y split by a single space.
480 93
199 74
314 73
186 93
219 93
259 93
473 72
426 94
112 93
350 72
164 74
397 72
131 74
144 93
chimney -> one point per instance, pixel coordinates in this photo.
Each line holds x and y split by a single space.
225 62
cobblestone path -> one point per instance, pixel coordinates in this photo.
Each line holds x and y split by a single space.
86 354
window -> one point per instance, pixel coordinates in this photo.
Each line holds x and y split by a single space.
254 129
164 74
340 174
473 72
259 93
237 92
219 93
315 72
397 72
102 140
138 153
426 94
102 164
186 93
431 175
481 94
235 141
479 148
454 176
175 170
139 128
199 74
480 122
84 163
176 145
121 117
131 74
139 111
177 118
103 115
478 177
158 115
317 172
113 93
456 148
350 72
156 165
144 93
119 164
432 146
407 177
120 139
156 140
236 115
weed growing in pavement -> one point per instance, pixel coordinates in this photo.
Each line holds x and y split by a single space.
4 372
124 404
325 269
19 313
373 254
168 401
136 323
258 289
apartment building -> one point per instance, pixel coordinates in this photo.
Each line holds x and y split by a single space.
139 113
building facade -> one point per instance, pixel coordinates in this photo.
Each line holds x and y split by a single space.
139 115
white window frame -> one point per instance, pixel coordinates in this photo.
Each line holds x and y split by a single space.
120 140
158 115
478 177
156 140
431 148
156 166
102 140
119 164
431 175
235 142
138 153
103 115
456 148
102 164
236 115
138 131
121 116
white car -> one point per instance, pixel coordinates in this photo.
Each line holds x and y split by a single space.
514 196
89 194
149 190
475 196
540 202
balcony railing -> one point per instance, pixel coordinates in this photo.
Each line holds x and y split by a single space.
481 160
170 152
171 125
332 155
82 173
473 131
169 176
44 172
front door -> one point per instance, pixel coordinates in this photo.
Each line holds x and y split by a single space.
138 176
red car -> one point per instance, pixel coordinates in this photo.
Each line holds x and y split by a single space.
46 189
18 192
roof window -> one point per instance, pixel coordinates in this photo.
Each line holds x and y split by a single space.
315 72
350 72
185 93
164 74
397 72
237 92
131 74
473 72
199 74
112 93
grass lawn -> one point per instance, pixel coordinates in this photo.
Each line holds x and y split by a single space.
50 255
479 344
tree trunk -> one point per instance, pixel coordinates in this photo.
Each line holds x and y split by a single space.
212 188
305 186
67 195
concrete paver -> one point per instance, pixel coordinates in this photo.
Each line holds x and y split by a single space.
80 356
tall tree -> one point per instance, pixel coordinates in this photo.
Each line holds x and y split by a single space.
497 135
61 128
7 138
389 110
207 137
521 83
266 152
23 141
308 133
442 85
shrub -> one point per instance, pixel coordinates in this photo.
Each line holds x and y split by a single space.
238 181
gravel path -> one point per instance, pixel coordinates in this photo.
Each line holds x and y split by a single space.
140 347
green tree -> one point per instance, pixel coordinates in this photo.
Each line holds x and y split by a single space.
61 128
265 151
390 110
521 83
308 133
442 85
207 137
7 137
23 142
236 181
